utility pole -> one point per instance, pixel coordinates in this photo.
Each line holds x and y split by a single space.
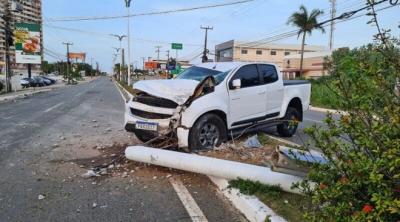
144 59
333 15
128 4
167 62
68 62
120 38
205 58
158 52
91 66
115 56
7 17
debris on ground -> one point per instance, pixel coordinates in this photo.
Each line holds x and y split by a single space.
89 173
252 142
41 197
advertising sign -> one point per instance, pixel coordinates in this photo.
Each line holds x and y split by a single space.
27 43
177 46
150 65
74 55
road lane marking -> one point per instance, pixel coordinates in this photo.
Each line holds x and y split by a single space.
53 107
188 202
315 121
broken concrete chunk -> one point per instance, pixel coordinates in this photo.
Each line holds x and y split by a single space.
252 142
89 173
41 197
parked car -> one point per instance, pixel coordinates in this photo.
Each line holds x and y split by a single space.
31 82
208 103
39 81
2 85
25 82
52 81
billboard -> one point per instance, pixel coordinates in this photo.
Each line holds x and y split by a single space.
27 43
75 55
150 65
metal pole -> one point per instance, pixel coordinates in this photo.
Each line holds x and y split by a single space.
128 2
158 53
6 18
333 15
205 58
68 61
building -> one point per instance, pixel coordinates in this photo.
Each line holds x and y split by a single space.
259 52
31 13
313 65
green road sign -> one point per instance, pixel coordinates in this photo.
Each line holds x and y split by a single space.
177 46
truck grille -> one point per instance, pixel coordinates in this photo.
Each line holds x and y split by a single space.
147 115
155 101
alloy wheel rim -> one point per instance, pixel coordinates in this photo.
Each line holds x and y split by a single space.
209 135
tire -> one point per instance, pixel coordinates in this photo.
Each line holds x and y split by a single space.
144 135
288 128
208 131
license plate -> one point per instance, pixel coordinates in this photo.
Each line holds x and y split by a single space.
146 126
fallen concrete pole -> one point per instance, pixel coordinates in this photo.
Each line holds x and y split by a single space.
229 170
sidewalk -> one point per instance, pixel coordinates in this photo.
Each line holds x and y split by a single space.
31 91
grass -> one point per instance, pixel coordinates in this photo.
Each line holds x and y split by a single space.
129 89
322 95
289 206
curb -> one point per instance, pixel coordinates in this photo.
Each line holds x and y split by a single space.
324 110
23 95
252 208
119 87
283 141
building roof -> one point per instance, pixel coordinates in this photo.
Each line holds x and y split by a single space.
225 66
308 55
260 45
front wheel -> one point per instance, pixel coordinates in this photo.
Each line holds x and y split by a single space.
290 123
208 131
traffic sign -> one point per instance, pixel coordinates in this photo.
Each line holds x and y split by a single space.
177 46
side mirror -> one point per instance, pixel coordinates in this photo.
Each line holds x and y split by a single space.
237 83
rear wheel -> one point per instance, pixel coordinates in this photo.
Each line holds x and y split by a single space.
208 131
291 121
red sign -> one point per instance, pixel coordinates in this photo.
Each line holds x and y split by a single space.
150 65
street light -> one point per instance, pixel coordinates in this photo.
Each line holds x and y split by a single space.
128 4
120 64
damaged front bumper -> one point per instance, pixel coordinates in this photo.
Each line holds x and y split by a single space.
165 126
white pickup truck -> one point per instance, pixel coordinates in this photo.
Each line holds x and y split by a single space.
207 104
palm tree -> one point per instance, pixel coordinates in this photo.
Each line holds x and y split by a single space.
306 23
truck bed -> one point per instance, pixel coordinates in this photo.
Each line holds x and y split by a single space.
295 82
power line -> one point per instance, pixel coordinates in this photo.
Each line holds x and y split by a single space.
106 35
342 18
70 19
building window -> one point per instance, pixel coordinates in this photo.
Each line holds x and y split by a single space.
259 52
273 52
287 53
244 51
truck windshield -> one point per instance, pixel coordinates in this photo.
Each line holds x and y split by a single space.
199 73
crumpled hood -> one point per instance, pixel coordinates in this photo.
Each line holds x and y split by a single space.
177 90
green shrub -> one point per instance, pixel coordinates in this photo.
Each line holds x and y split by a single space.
322 93
361 181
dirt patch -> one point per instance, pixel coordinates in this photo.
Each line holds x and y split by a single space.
256 156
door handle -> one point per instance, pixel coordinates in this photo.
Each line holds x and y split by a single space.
261 93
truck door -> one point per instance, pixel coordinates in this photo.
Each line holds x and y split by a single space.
249 101
274 88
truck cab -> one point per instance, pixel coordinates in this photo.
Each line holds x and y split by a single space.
210 102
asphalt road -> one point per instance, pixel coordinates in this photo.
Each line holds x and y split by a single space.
310 118
43 140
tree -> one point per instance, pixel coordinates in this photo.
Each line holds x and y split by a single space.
361 179
306 23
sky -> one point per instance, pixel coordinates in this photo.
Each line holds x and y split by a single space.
246 22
